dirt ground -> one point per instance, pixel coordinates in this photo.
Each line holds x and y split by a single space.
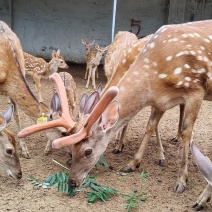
158 187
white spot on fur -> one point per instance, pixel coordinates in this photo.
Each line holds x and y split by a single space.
146 60
194 71
124 61
207 40
178 70
199 58
197 34
201 70
195 81
210 37
152 45
168 58
202 47
186 84
136 73
184 35
180 83
187 78
192 52
146 66
162 76
154 64
187 66
155 72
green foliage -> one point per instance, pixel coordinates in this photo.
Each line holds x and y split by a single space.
132 200
97 191
60 180
36 182
144 175
102 161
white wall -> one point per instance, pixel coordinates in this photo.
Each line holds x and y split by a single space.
43 25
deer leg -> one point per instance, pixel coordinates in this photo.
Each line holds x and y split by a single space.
182 109
86 71
89 76
161 160
97 72
203 198
151 127
191 111
38 87
120 135
93 77
48 147
24 150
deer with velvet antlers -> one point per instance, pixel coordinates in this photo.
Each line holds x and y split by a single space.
173 68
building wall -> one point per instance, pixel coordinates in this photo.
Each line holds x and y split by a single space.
44 25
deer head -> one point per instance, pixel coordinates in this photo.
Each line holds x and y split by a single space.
87 44
58 60
9 161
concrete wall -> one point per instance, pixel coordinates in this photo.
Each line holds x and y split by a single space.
44 25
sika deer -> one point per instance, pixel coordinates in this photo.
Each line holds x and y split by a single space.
173 68
87 51
9 161
39 69
12 81
93 60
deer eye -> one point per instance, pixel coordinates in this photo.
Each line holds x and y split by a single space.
9 151
88 152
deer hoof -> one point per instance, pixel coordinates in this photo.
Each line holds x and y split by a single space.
26 155
179 188
117 151
127 169
197 207
161 162
175 139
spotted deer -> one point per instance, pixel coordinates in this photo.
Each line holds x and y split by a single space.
88 48
39 69
12 80
173 68
93 60
9 160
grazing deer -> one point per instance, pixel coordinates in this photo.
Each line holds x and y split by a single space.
93 60
87 51
205 167
12 81
39 69
173 68
9 161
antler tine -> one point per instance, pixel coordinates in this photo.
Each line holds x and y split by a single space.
64 121
95 114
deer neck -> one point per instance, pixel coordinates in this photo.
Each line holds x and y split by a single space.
50 68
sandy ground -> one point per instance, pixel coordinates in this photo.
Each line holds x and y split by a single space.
158 187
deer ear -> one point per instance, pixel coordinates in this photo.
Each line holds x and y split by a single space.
96 46
9 113
54 53
58 52
110 116
91 102
203 163
83 100
55 105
